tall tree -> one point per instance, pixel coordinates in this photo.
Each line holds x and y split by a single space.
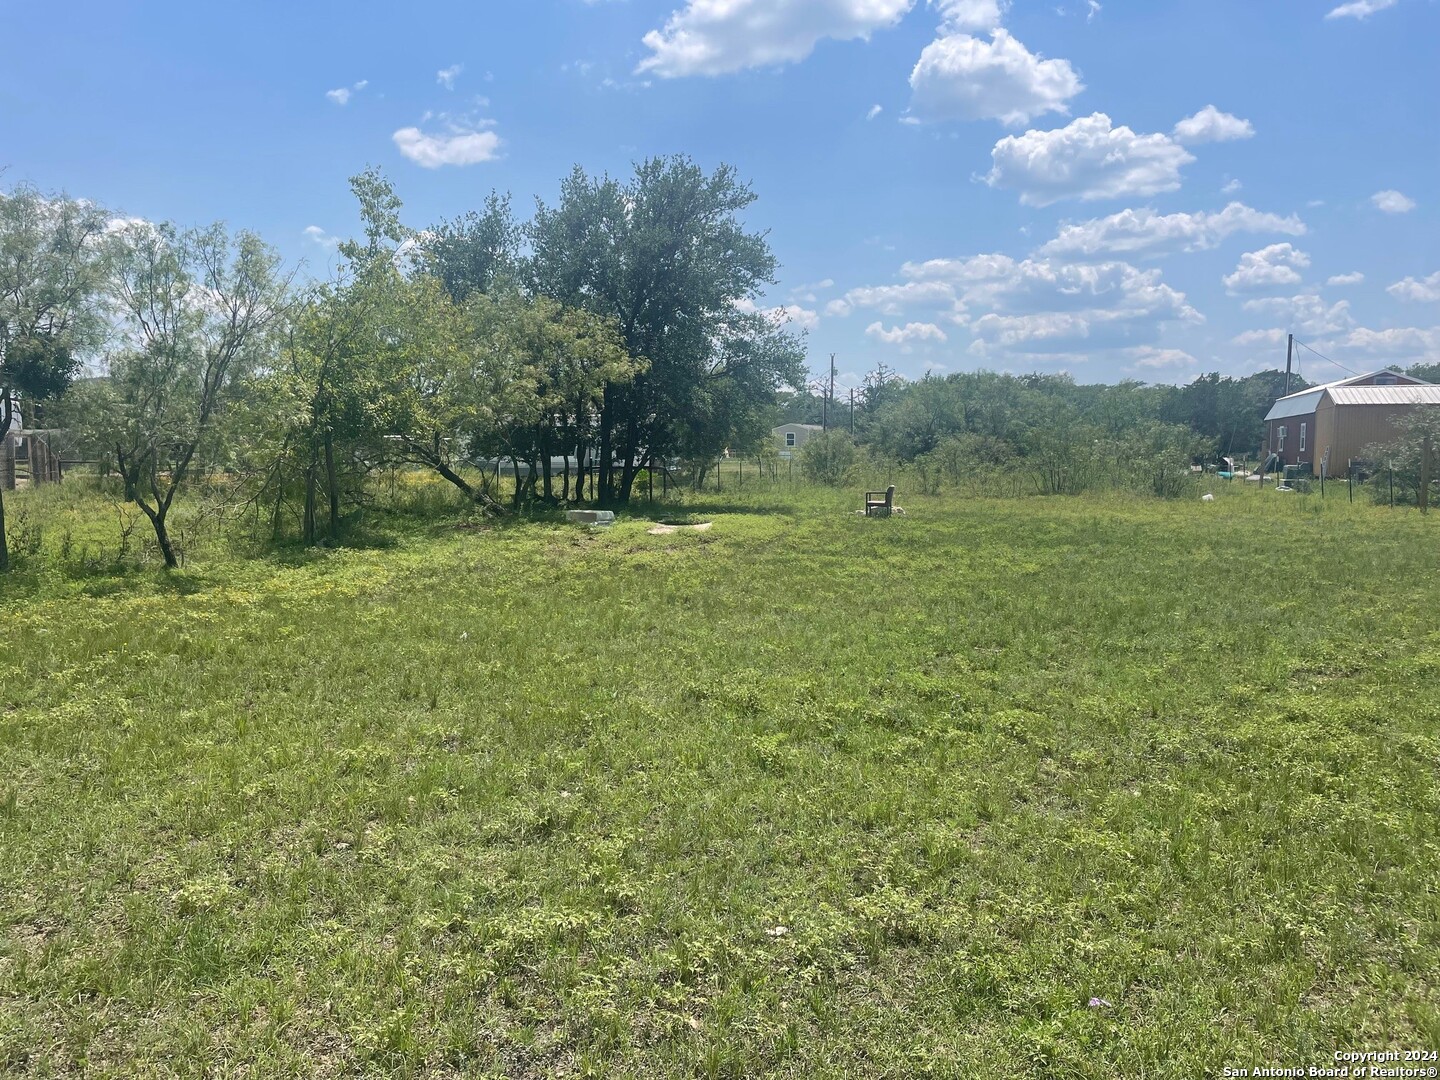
50 274
667 256
199 309
475 252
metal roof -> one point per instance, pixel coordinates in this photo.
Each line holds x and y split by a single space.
1342 392
1385 395
1296 404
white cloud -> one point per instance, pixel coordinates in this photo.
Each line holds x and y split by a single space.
893 299
1392 202
320 236
1042 307
1087 159
1412 343
1354 278
1273 267
1260 337
715 37
1360 9
1144 232
962 16
1099 292
1231 187
908 334
810 292
1424 290
1212 125
1150 358
967 271
343 94
782 314
875 110
1305 314
1093 10
959 77
446 76
459 146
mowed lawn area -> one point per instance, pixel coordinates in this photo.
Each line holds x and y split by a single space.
1032 788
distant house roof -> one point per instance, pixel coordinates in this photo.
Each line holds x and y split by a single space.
802 427
1347 392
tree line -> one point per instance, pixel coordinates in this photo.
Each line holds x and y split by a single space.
1060 436
614 329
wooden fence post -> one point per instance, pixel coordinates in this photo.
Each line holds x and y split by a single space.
7 464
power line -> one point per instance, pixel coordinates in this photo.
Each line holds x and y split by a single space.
1327 359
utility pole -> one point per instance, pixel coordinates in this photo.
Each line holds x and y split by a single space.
852 412
830 394
1426 448
1289 356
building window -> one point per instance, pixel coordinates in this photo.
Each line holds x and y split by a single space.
1280 438
789 438
1302 437
1386 380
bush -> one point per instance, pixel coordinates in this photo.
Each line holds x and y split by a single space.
828 458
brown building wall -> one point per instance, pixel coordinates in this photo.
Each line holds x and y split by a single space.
1351 428
1291 453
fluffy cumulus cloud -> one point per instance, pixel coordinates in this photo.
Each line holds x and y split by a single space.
1360 9
791 316
1038 309
1275 267
907 335
460 144
960 77
1354 278
1089 158
1304 314
1148 358
1144 232
895 299
1212 125
1420 290
967 16
446 76
1392 202
715 37
1409 344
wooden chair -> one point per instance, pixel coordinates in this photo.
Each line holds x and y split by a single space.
880 503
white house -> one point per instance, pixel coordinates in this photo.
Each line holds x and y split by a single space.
793 436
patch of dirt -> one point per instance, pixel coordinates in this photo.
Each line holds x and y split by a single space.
666 530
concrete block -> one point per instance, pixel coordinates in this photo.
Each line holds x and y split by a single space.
590 517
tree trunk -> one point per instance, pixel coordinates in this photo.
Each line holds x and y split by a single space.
4 543
307 528
332 485
607 450
544 445
627 467
162 535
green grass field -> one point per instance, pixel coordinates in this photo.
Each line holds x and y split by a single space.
802 795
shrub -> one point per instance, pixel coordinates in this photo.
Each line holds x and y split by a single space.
828 458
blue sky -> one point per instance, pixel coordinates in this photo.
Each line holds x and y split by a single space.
1120 189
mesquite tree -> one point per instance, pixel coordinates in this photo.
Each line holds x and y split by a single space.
50 272
198 310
